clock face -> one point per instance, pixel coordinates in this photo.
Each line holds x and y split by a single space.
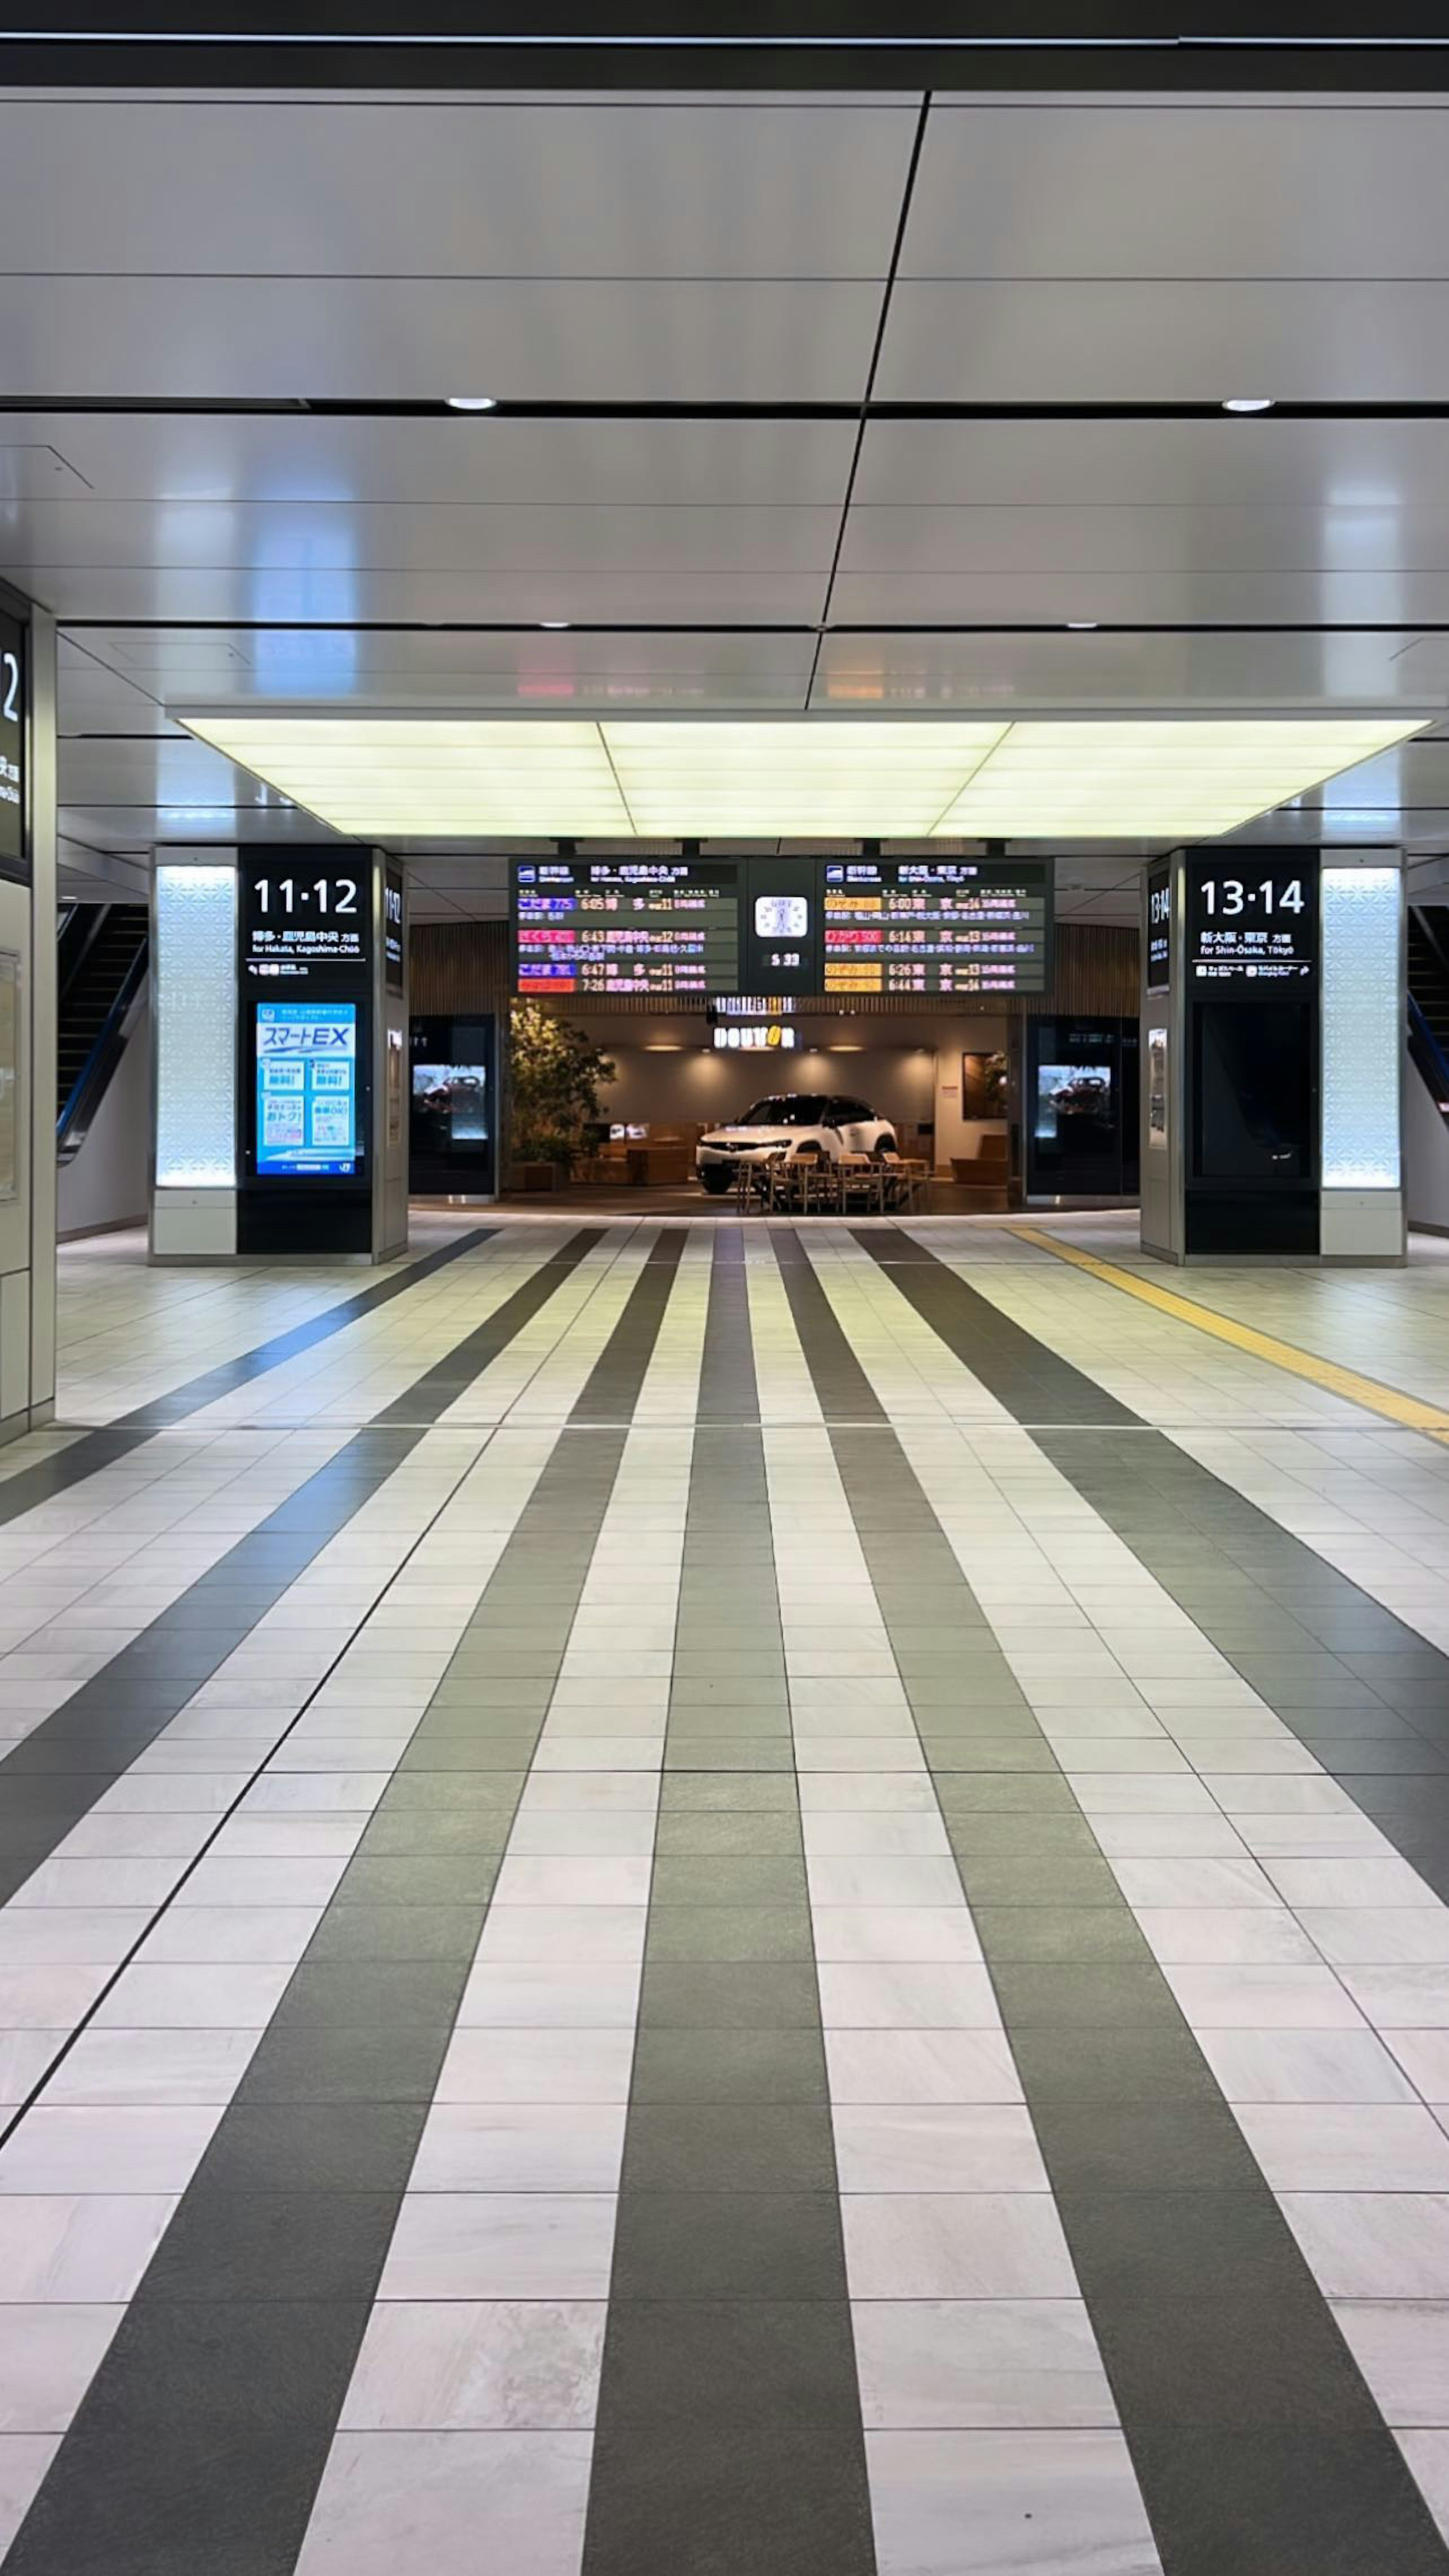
1253 921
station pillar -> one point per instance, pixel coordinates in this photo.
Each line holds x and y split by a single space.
280 1054
1273 1014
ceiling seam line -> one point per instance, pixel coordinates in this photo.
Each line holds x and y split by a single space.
892 266
608 750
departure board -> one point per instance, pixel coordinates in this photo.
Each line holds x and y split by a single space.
659 928
937 925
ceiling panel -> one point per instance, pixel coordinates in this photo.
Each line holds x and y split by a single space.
169 770
355 187
1157 190
363 667
136 827
417 537
1087 537
1264 461
1130 340
369 339
1261 597
454 457
1053 669
325 594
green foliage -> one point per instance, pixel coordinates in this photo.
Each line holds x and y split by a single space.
555 1072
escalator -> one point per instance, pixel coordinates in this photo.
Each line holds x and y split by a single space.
1429 995
102 952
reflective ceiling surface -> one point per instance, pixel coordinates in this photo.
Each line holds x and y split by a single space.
846 251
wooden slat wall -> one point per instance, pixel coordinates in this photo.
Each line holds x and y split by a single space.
459 966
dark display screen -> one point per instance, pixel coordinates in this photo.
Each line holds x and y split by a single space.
12 740
1159 930
1252 921
658 928
298 917
937 926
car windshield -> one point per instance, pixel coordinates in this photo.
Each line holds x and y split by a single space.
795 1109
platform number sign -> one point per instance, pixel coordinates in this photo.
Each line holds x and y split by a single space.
12 741
1253 921
1159 930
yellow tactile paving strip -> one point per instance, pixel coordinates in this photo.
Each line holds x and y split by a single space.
1409 1411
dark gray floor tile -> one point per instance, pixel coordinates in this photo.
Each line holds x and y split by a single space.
731 1880
967 1794
1166 2245
326 1992
359 2061
1042 1882
696 1791
1073 1996
1284 2502
1112 2066
1081 1935
405 1833
357 2146
725 1996
419 1881
1136 2145
1239 2365
697 1833
684 1932
200 2444
728 2244
346 1931
697 2503
1018 1837
729 2066
728 2146
732 2365
224 2245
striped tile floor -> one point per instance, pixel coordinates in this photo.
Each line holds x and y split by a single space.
714 1900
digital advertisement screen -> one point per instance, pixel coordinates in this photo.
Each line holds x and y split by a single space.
653 927
937 925
455 1098
1252 921
306 1088
1072 1098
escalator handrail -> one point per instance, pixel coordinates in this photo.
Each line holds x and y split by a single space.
1424 922
86 1092
1423 1044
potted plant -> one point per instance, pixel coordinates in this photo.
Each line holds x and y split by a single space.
555 1071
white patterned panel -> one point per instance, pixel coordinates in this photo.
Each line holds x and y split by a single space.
1363 1017
195 1027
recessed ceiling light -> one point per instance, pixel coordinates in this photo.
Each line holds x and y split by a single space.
1249 402
554 625
1081 626
472 402
632 778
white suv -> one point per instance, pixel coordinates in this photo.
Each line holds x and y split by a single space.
793 1118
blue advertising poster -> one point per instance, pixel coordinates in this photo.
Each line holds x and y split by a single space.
307 1087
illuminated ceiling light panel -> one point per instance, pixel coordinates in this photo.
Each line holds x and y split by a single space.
390 778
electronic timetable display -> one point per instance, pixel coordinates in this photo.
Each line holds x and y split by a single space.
937 926
658 928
